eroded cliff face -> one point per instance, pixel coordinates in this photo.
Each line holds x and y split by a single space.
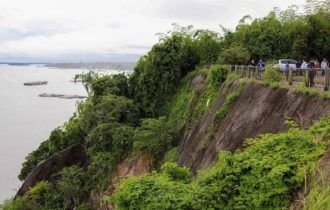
259 109
135 165
48 169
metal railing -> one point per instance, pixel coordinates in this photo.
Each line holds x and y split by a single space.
311 77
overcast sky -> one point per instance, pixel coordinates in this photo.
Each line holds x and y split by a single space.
73 30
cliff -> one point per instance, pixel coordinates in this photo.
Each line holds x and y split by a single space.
258 109
247 109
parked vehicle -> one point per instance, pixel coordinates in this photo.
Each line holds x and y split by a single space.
282 62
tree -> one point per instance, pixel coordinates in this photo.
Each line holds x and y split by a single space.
208 46
154 137
234 55
72 186
158 73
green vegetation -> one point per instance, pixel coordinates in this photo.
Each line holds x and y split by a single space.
283 34
153 137
230 99
272 77
191 103
217 75
175 172
302 89
262 176
111 123
69 191
234 55
172 155
171 88
158 74
318 198
316 194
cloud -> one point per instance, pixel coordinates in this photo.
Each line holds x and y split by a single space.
192 10
41 29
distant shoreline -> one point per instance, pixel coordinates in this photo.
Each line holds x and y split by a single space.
87 65
21 64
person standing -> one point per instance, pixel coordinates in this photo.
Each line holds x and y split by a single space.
260 67
324 64
311 73
298 64
260 64
287 67
303 65
317 64
252 63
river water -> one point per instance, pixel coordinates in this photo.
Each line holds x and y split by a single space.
26 119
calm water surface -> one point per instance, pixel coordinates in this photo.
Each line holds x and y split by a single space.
26 119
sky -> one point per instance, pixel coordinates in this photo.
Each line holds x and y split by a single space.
109 30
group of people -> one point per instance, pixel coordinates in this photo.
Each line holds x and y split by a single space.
261 64
313 64
260 67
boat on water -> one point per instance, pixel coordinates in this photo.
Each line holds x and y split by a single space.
61 96
36 83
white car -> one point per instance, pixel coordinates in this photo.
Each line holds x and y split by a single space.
282 63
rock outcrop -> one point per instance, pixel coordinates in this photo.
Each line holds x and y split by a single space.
46 170
132 166
259 109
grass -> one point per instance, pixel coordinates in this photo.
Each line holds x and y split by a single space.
216 76
188 106
316 194
302 89
318 199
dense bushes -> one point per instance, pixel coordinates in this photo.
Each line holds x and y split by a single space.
94 119
176 173
160 71
73 187
262 176
158 74
208 46
235 55
97 85
109 108
166 193
110 84
154 137
68 192
272 77
104 125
